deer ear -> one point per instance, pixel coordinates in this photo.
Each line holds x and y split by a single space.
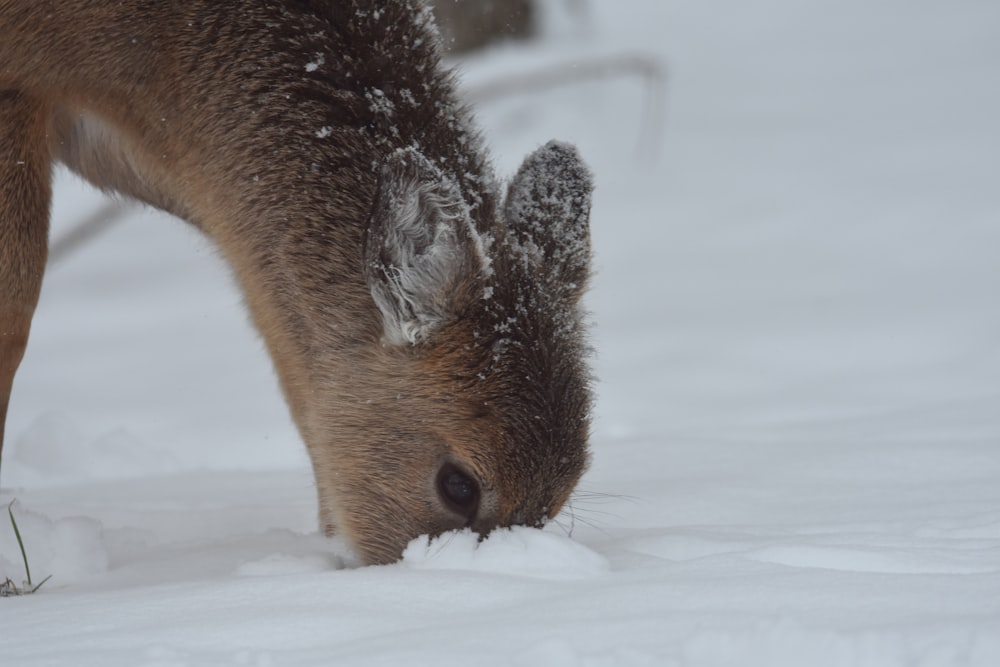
548 215
419 250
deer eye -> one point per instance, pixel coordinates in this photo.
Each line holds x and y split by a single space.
458 491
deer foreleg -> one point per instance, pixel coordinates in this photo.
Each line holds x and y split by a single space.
25 193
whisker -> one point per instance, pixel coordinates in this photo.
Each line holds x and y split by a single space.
600 497
575 516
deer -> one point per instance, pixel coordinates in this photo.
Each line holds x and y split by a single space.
423 317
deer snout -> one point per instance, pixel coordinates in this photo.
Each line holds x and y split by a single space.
473 503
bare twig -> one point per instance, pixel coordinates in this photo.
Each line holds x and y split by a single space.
649 68
87 229
8 589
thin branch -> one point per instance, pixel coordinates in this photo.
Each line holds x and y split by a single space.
88 229
651 69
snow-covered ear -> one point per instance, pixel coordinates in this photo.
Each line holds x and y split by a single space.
419 251
548 214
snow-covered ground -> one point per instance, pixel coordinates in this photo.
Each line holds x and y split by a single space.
797 441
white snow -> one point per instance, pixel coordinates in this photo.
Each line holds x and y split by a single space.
314 65
797 436
515 551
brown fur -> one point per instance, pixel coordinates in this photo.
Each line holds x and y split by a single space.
298 134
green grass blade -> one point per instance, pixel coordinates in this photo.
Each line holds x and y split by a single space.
20 543
40 584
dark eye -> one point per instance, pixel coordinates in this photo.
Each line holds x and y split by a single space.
458 490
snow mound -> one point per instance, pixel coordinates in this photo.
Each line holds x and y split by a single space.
284 564
785 642
53 450
914 559
874 550
517 551
70 549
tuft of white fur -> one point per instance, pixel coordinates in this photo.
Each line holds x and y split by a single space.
423 231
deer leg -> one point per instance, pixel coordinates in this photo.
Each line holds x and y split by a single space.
25 192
